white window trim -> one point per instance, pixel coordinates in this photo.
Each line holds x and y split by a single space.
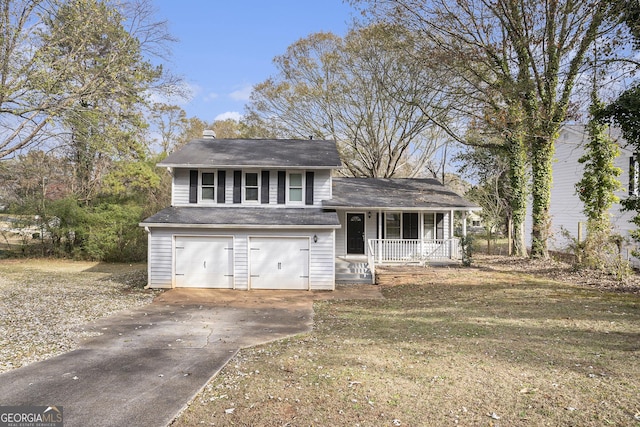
386 231
215 187
433 225
288 188
244 186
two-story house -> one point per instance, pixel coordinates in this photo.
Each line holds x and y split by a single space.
267 214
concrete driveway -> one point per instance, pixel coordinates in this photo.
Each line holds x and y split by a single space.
147 363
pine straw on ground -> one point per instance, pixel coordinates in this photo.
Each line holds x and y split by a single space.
553 269
44 303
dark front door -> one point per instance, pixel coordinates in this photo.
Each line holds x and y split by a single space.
355 233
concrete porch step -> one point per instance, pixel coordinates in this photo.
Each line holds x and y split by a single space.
352 271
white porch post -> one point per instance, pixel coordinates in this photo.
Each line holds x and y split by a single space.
421 228
464 224
451 232
380 245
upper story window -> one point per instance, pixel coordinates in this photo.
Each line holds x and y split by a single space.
208 187
251 187
295 187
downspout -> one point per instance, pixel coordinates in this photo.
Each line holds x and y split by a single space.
148 258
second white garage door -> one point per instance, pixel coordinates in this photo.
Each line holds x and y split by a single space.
279 262
204 262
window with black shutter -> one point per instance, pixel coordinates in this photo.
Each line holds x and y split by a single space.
264 190
222 180
237 186
308 191
282 187
193 186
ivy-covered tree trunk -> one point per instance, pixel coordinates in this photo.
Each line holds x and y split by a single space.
518 182
597 190
542 178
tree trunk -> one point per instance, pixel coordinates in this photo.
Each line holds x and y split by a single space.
518 183
541 169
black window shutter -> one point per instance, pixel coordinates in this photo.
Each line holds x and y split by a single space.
193 186
410 225
237 186
222 184
633 174
282 182
309 189
439 226
264 190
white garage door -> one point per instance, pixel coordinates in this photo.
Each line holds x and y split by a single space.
204 262
279 262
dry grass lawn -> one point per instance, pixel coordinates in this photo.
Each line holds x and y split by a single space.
472 347
45 302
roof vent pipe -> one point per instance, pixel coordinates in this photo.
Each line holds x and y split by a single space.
208 134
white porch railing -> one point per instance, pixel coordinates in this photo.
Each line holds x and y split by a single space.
382 251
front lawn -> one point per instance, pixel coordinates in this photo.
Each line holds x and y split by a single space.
458 347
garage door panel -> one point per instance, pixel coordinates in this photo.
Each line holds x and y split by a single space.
204 262
279 263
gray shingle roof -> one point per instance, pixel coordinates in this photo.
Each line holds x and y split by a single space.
285 153
394 193
241 217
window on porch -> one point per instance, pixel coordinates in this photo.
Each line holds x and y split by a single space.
398 225
433 224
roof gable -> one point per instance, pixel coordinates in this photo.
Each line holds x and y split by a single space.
284 153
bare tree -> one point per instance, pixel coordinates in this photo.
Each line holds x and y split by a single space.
519 61
361 91
56 56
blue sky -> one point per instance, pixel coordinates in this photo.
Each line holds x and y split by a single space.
226 46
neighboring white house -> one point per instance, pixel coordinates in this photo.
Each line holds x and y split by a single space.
566 207
267 214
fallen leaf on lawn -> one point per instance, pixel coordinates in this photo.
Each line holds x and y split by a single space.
229 411
529 390
494 416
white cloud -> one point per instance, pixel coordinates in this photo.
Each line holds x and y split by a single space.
242 94
229 115
211 96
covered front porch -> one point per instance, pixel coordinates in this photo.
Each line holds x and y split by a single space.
368 238
396 221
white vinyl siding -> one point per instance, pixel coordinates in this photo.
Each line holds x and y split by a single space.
180 193
566 208
321 186
160 259
321 254
180 187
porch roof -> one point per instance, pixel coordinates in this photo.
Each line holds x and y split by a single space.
242 217
412 193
